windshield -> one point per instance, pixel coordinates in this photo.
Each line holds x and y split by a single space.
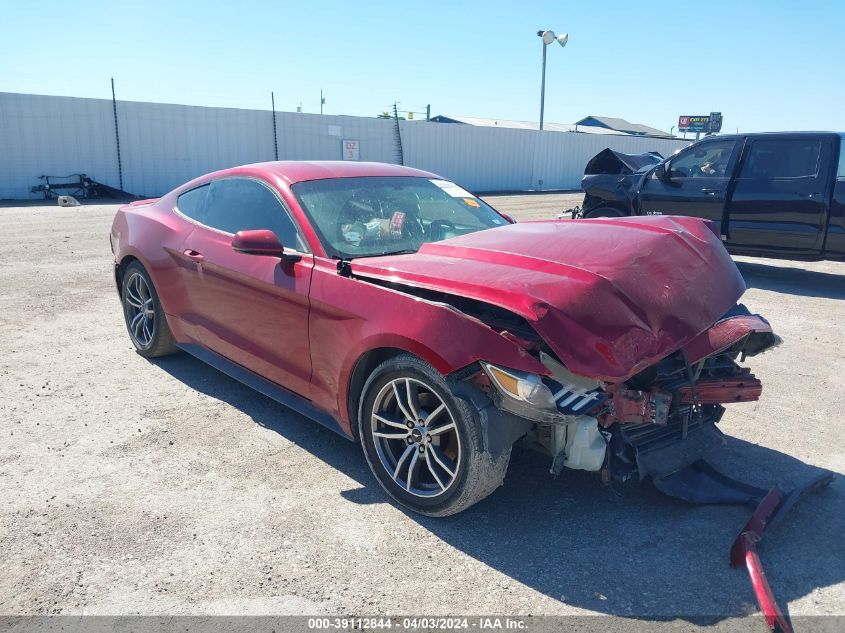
380 215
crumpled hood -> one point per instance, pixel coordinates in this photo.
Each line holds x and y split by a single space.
609 296
609 161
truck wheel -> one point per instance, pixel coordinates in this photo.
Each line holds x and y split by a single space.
144 316
605 212
423 444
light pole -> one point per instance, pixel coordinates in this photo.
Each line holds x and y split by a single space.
548 37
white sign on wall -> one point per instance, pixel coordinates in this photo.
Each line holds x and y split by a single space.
351 150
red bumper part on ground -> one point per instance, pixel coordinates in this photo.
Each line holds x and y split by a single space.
744 550
700 483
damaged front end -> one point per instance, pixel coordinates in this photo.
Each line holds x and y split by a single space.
634 335
659 424
654 424
613 179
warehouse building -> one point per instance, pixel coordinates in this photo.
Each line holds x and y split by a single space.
620 126
146 149
587 125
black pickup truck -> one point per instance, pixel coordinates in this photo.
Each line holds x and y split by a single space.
773 194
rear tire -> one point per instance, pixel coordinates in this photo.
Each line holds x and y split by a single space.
605 212
145 320
424 445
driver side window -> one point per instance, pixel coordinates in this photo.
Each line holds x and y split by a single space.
238 204
707 160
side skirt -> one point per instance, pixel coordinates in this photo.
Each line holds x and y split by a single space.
263 386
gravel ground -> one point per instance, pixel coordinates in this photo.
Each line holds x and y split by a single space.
164 487
536 206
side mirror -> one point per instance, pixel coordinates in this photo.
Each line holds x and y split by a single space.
261 242
662 173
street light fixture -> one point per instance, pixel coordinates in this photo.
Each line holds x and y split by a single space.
548 37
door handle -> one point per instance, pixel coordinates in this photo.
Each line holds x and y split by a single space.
801 194
194 255
711 192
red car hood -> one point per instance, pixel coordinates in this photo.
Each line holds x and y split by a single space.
610 297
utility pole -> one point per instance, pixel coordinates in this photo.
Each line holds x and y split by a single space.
428 112
543 87
548 37
116 135
322 101
275 138
400 156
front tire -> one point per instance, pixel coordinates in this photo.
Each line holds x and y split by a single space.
423 444
144 315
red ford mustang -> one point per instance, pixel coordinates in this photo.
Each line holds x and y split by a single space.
407 314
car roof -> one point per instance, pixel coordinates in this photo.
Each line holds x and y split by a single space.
294 171
770 134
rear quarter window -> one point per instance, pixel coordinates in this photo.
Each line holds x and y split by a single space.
192 203
787 158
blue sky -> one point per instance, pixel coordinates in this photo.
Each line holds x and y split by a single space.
766 65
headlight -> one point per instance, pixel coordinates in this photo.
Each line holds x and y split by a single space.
521 386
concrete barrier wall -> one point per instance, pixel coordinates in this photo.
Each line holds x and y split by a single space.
164 145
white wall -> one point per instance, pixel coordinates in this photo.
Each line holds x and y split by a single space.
54 136
164 145
499 159
479 158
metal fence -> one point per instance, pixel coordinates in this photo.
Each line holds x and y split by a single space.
163 145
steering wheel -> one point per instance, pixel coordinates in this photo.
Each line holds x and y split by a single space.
359 206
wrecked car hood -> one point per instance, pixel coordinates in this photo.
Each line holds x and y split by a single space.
609 161
613 179
610 296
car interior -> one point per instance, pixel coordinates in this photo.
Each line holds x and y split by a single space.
374 218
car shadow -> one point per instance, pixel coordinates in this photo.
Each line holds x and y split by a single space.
796 281
632 552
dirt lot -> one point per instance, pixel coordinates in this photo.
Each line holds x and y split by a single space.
131 486
535 206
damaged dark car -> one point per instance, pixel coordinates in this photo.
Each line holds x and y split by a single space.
773 195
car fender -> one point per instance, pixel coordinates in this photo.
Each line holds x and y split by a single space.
154 236
373 317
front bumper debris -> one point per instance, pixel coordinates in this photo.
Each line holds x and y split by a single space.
701 483
771 511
